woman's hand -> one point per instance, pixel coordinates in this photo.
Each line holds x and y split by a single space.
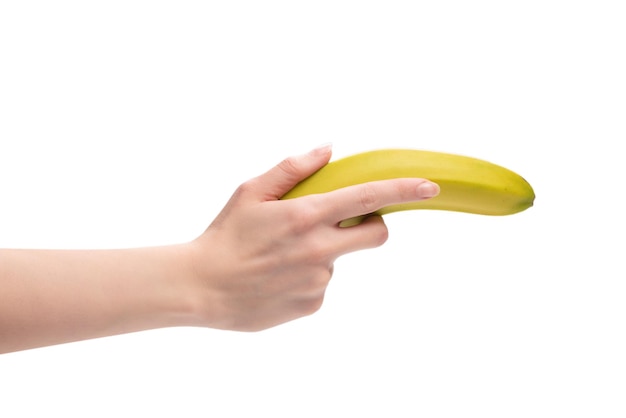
265 261
262 262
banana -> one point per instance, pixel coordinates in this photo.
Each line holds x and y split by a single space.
466 184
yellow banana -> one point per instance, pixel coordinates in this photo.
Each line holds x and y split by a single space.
466 184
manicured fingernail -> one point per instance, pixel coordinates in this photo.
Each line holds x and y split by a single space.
427 190
322 149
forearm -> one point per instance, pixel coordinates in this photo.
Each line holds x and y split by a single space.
57 296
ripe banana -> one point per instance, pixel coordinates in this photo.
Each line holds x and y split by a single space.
466 184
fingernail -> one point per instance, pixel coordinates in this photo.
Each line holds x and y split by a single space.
322 149
427 190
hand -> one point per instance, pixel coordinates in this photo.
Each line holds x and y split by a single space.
262 262
265 261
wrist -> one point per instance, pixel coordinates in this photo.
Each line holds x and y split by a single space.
178 297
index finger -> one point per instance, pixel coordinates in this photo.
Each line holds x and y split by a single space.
366 198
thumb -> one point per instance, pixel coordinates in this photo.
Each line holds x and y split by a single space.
277 181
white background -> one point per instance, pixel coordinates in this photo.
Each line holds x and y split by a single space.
129 123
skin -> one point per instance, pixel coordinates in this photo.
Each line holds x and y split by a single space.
260 263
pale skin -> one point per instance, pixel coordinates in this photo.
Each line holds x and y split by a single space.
261 262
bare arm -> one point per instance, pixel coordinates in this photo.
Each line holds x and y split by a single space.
56 296
260 263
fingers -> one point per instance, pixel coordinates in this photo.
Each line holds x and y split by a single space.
283 177
363 199
370 233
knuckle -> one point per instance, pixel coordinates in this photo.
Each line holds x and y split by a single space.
380 236
318 251
245 188
322 279
311 306
377 232
369 199
406 191
304 217
289 166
